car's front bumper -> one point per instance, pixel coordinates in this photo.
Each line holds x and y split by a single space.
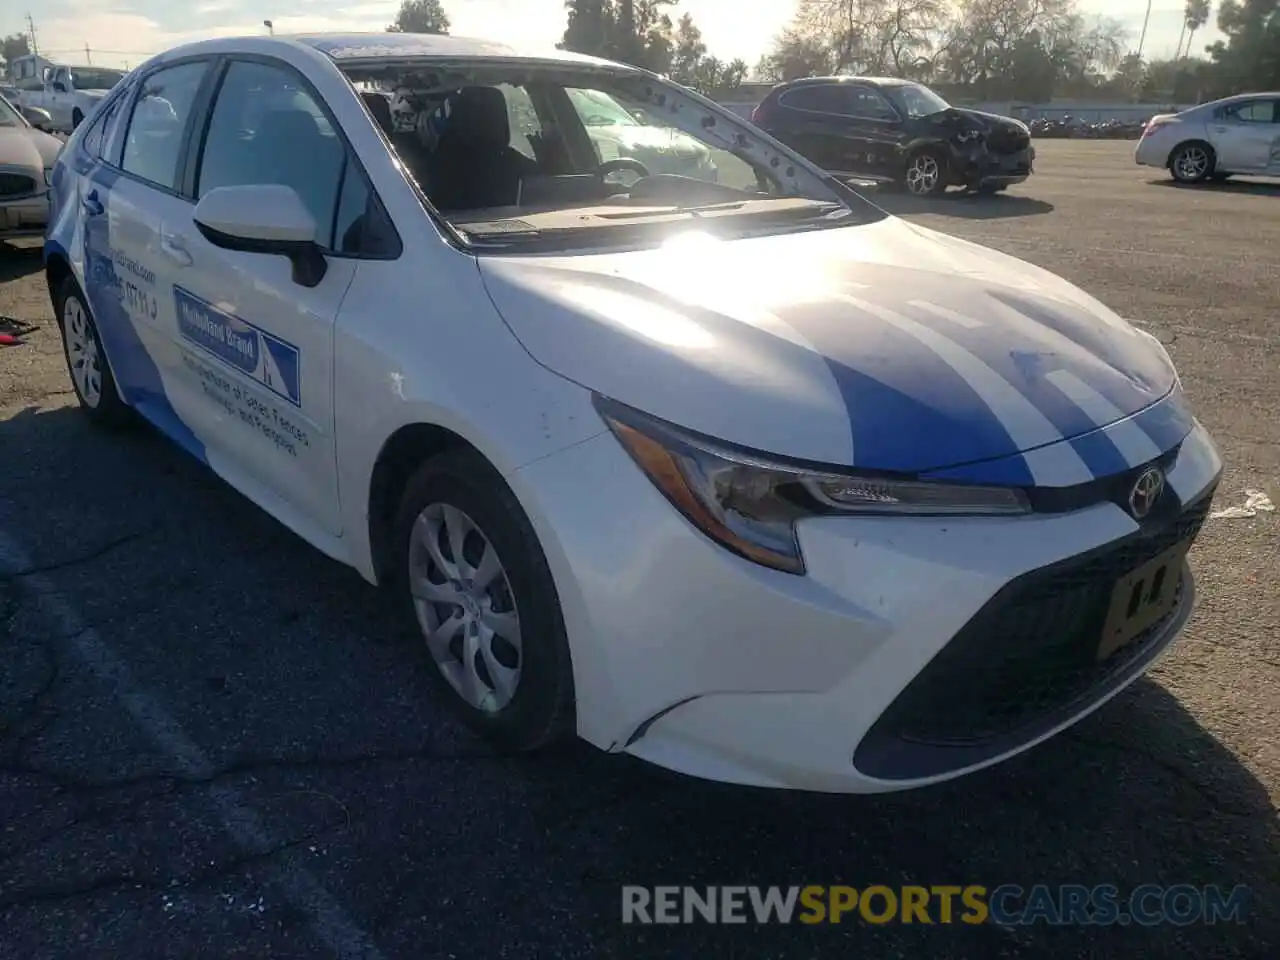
989 169
695 659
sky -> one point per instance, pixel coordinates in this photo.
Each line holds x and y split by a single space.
123 33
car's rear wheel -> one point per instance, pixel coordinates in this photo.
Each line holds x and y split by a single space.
925 174
1191 162
90 374
473 577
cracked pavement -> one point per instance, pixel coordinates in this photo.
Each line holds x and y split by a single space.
215 742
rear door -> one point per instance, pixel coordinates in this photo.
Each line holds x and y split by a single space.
1242 135
131 158
812 120
59 98
252 349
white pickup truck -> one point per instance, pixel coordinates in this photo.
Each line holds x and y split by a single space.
69 94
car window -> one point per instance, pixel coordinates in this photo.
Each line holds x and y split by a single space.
267 128
866 103
92 143
361 226
1254 111
820 98
158 121
8 116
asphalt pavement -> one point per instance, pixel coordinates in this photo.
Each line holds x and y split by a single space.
215 742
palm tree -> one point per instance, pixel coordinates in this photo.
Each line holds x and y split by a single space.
1194 16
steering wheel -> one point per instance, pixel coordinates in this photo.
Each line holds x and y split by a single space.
620 164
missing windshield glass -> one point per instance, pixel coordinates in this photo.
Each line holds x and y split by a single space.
566 149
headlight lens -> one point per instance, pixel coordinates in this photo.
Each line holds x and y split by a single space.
750 503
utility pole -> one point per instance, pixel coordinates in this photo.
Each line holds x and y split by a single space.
87 58
31 28
1143 38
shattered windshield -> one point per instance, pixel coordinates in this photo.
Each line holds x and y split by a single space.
518 155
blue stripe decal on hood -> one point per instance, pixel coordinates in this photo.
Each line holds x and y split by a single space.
1168 422
908 410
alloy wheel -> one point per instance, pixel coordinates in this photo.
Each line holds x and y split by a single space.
83 355
1191 163
464 604
922 174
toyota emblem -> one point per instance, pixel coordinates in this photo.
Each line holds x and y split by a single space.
1146 492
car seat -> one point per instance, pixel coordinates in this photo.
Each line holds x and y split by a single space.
474 165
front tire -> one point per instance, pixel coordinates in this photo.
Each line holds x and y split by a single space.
925 175
471 574
91 377
1192 162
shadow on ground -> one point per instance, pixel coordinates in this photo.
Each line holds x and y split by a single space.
968 206
1256 188
306 693
19 260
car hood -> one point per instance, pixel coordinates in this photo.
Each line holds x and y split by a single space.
27 147
885 346
988 121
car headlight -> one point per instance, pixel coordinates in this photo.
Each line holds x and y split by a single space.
750 502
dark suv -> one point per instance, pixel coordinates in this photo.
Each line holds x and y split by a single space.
896 131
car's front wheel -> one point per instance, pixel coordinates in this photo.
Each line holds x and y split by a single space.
924 175
474 578
90 374
1192 162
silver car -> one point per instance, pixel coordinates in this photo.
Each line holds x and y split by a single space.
26 162
1239 134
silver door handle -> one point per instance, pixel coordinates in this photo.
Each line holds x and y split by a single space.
171 246
1219 129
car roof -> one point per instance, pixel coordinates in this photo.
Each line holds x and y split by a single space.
372 49
875 81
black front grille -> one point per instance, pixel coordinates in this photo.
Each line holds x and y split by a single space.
1024 663
1008 140
16 185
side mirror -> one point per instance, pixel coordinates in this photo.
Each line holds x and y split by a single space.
264 218
39 118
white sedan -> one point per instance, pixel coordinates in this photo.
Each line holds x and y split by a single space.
739 475
1236 135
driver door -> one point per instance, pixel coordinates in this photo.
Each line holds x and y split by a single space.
1242 135
59 97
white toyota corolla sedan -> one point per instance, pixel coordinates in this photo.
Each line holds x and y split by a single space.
739 475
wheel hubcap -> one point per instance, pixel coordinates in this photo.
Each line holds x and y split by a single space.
922 175
82 352
1192 163
465 607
